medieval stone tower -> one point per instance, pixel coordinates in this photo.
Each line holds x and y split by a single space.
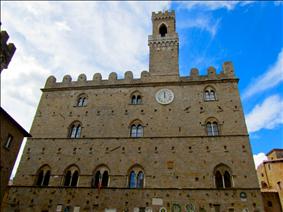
158 143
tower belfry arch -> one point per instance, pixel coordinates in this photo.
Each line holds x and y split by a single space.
163 45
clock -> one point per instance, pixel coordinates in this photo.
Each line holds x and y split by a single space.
164 96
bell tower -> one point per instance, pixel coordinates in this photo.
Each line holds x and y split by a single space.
163 45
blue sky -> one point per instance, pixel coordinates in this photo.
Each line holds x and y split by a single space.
57 38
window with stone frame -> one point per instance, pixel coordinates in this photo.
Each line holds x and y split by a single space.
136 131
75 130
100 178
223 176
212 127
43 176
136 177
209 94
136 98
82 100
71 176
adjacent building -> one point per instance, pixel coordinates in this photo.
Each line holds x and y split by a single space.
270 175
12 135
161 142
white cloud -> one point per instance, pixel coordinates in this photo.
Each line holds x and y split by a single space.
259 158
278 3
267 115
269 79
21 85
203 22
214 5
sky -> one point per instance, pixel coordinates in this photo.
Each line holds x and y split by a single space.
59 38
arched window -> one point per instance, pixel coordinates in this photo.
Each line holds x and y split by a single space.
71 176
163 30
75 130
263 184
212 128
209 94
222 176
101 177
82 100
136 131
136 98
43 176
136 177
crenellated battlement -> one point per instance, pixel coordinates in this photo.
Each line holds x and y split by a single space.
163 15
227 72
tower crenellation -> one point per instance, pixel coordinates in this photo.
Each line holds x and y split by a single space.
162 15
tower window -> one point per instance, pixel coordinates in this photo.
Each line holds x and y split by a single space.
209 94
75 130
136 98
163 30
136 177
222 176
43 176
212 128
101 177
82 100
136 131
71 176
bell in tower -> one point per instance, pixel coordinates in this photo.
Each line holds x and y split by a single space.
163 45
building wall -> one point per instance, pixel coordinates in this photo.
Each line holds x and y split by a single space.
270 175
109 112
28 199
8 155
275 154
271 202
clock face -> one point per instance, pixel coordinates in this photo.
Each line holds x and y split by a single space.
164 96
